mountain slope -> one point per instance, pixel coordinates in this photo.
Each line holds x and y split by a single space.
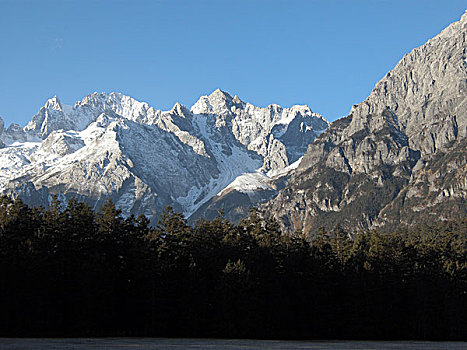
398 157
112 146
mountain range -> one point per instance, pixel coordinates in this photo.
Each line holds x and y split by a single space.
112 146
398 158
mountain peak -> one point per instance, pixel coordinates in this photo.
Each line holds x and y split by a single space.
53 104
217 102
302 109
110 144
179 109
218 93
237 100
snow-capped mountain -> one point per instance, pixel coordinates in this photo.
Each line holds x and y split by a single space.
112 146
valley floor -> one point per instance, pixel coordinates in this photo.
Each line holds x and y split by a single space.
231 344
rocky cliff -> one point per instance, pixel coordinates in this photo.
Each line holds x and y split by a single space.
399 157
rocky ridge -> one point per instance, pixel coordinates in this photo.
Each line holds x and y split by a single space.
399 157
113 146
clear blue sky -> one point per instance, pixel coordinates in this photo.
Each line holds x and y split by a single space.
324 53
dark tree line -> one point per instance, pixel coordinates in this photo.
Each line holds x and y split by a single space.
68 271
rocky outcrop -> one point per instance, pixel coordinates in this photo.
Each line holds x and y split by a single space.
397 155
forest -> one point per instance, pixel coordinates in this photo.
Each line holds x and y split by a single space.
70 271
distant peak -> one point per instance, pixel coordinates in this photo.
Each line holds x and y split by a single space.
218 93
104 94
212 103
302 108
53 103
237 100
102 97
179 109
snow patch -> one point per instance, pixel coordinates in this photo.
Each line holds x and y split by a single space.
281 172
248 183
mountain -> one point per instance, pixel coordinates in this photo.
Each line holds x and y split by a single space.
398 158
112 146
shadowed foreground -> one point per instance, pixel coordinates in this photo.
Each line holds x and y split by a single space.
230 344
72 272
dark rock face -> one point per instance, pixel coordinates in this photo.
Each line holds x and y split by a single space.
399 157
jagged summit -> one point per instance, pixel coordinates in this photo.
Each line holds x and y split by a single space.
218 102
109 145
180 110
53 104
220 94
237 100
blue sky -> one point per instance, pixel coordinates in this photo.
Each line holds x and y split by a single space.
324 53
